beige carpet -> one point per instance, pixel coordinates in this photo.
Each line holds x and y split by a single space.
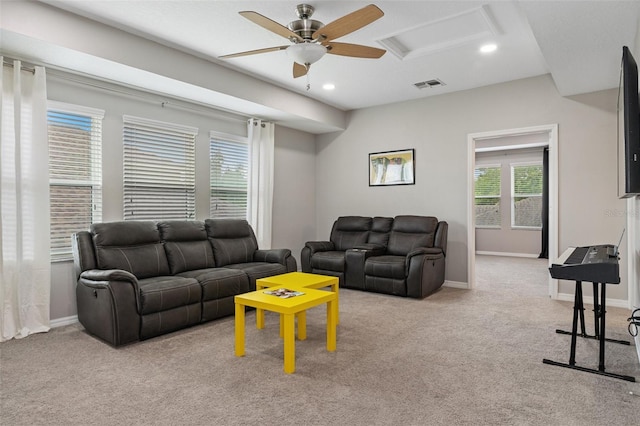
457 357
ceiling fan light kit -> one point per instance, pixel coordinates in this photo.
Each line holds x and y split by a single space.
312 39
306 53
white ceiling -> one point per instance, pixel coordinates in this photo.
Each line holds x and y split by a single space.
578 42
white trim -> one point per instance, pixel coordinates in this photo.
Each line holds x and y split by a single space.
499 253
75 109
632 260
227 137
611 303
510 147
552 131
140 121
631 233
61 322
456 284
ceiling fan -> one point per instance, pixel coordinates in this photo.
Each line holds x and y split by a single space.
312 39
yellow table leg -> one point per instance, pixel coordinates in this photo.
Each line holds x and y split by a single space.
331 326
259 318
281 326
302 325
289 344
239 334
335 289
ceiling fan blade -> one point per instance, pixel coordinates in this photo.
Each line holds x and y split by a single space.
349 23
253 52
270 25
299 70
354 50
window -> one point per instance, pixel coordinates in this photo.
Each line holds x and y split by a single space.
526 195
487 196
229 159
159 170
75 173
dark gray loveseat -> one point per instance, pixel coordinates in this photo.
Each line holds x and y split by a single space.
140 279
403 256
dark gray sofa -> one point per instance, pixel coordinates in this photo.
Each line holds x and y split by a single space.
403 256
140 279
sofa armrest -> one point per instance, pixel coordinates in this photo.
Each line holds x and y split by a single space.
109 275
109 304
102 278
272 256
311 247
371 249
315 246
425 271
355 259
433 251
423 253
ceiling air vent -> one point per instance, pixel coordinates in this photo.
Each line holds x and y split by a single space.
429 84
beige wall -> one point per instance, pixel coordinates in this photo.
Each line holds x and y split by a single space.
437 127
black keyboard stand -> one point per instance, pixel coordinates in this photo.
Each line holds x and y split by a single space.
599 311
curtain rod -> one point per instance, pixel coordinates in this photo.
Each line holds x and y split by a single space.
63 74
9 63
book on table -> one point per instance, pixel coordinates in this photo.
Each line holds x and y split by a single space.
283 293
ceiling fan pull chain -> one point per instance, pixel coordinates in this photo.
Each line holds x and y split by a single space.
308 78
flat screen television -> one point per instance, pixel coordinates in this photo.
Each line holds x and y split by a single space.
628 128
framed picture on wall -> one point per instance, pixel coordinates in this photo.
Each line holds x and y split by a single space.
392 168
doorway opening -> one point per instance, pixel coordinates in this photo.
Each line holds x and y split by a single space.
511 139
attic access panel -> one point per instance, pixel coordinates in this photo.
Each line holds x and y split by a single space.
441 34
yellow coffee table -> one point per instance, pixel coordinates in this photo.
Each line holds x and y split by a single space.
298 281
288 309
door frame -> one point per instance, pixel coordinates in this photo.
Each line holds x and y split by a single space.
552 131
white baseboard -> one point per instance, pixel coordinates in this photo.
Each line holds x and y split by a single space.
61 322
456 284
499 253
616 303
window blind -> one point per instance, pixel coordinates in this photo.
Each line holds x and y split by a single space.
229 160
487 196
159 170
526 197
75 173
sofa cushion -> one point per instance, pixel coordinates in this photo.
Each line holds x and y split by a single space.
133 246
328 261
186 245
411 232
257 270
162 293
219 282
386 266
233 241
380 228
350 231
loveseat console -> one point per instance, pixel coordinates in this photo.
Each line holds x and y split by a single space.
403 256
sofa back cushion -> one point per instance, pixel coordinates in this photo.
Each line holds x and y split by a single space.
186 245
133 246
350 231
380 229
233 240
411 232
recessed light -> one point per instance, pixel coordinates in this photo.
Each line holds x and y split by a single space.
488 48
329 86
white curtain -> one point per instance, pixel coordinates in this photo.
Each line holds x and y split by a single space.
261 153
25 266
